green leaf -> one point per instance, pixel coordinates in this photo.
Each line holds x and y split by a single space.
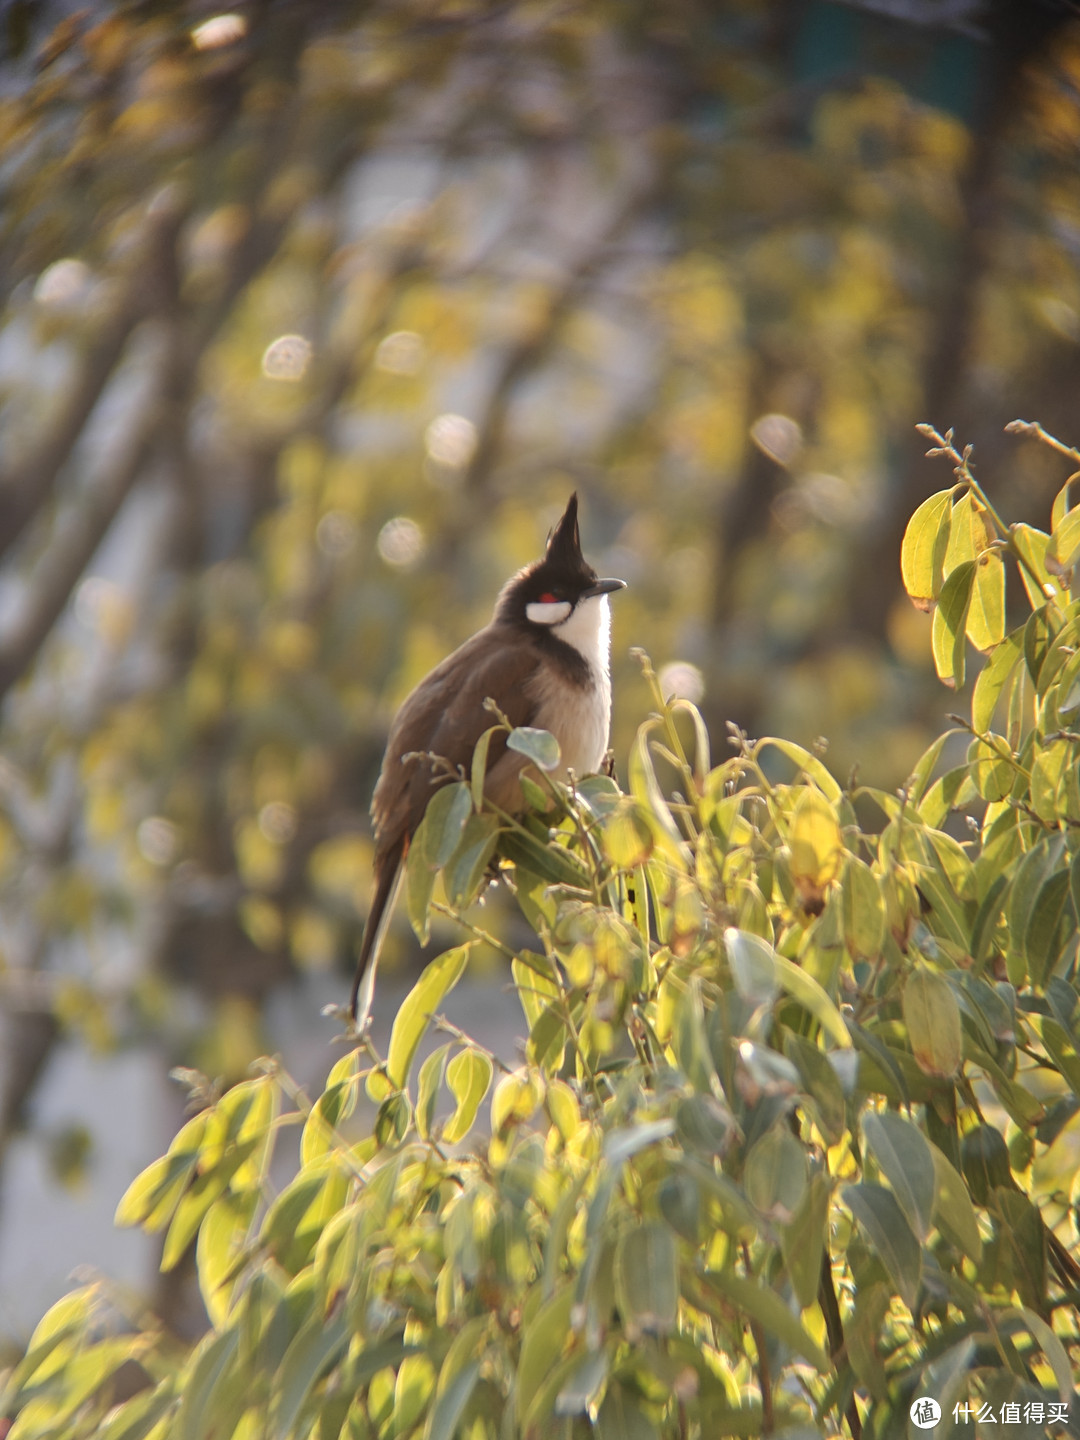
1054 1351
212 1358
821 1083
993 677
1049 774
925 766
548 1039
679 1197
766 1306
551 862
953 790
1024 1236
152 1197
775 1177
621 1418
702 753
946 1381
536 797
431 1077
479 765
877 1211
753 966
645 788
807 763
1044 939
543 1339
197 1200
885 1059
647 1279
802 1240
539 746
1038 635
49 1351
221 1237
336 1103
862 1331
465 1347
1062 500
992 771
949 633
1021 1105
737 1217
969 533
136 1419
413 1389
419 888
1062 1049
627 837
536 984
954 1213
444 819
923 549
754 958
315 1348
932 1017
1041 861
1063 552
903 1155
465 870
986 616
449 1406
984 1159
283 1218
414 1014
584 1385
468 1076
1031 544
621 1144
863 910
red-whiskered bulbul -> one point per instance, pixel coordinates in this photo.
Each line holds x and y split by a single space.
543 661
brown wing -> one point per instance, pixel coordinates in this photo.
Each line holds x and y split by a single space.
445 715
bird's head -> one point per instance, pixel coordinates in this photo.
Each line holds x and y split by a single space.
550 590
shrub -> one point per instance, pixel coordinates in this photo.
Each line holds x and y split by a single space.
789 1147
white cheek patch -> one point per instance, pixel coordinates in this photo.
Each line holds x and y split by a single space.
548 612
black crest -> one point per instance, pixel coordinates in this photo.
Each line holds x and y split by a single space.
564 542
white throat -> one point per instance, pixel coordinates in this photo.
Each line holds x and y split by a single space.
588 629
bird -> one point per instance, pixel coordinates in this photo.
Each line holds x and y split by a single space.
543 661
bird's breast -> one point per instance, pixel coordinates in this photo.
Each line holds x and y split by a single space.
579 716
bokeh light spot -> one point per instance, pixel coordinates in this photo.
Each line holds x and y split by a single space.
779 436
219 31
157 840
450 440
400 542
682 681
287 358
335 533
401 353
63 284
277 821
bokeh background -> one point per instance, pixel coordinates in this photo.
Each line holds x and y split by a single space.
311 316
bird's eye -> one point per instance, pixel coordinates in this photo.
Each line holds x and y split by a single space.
548 599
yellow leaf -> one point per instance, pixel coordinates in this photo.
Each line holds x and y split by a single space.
923 550
986 614
815 841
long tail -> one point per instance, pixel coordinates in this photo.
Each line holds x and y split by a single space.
389 872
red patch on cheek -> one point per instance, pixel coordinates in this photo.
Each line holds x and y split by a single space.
548 600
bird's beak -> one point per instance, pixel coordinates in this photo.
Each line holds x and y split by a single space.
603 587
